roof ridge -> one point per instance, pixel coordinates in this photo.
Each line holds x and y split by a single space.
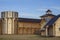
58 15
51 21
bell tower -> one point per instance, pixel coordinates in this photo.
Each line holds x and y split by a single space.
48 15
9 22
48 12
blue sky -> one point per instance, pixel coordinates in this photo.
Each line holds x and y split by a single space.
30 8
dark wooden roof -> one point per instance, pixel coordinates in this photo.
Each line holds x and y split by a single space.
47 15
48 10
28 20
52 21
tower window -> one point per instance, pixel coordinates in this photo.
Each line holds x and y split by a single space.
59 29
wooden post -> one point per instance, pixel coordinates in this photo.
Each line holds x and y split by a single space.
47 31
53 30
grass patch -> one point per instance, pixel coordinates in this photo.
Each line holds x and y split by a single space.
26 37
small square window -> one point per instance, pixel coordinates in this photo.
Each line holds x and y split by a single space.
59 29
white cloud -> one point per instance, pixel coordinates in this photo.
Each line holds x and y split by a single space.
42 9
28 15
51 8
56 8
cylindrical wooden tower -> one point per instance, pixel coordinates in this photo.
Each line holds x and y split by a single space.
9 22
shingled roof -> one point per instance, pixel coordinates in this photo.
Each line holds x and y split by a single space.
28 20
47 15
52 21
